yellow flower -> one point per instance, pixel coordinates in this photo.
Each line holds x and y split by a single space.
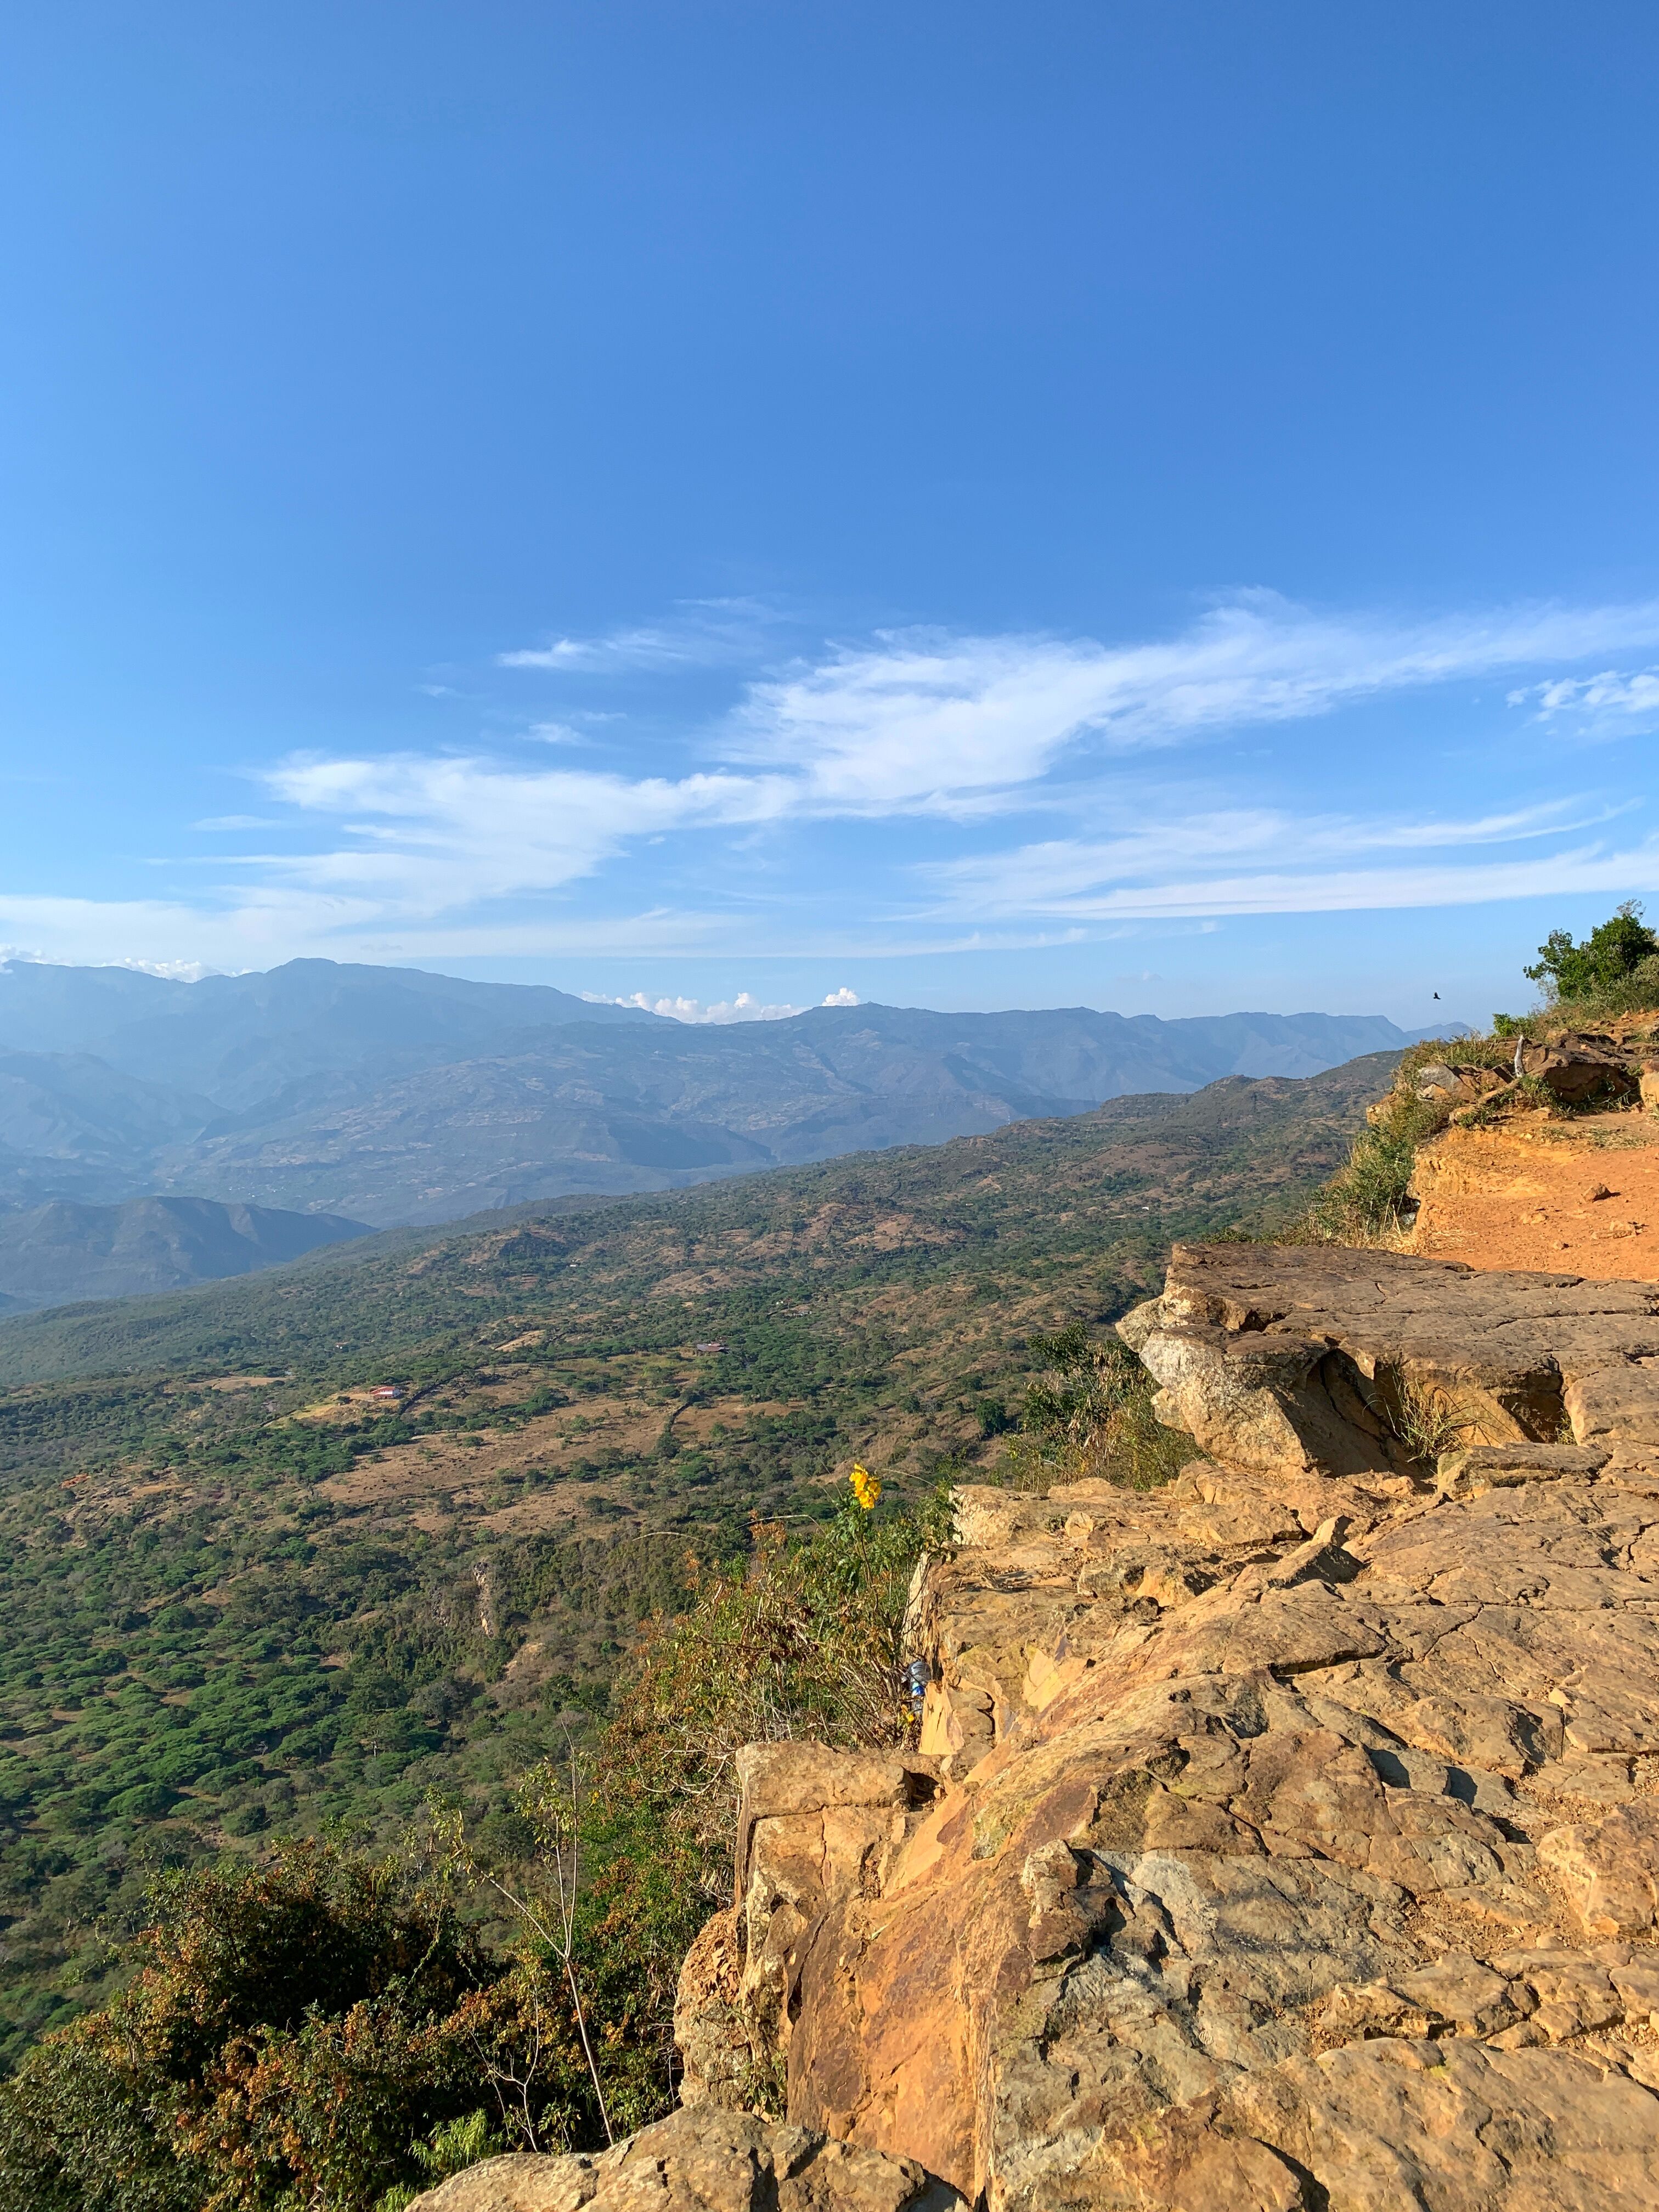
866 1488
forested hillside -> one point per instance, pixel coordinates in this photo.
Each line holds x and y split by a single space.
245 1597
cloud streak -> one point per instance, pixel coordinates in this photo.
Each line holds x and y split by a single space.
1072 875
955 739
1612 704
699 633
451 831
920 722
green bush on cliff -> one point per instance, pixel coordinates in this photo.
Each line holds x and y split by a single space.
1089 1414
801 1639
1610 954
1366 1200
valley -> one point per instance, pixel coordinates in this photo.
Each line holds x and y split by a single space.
246 1597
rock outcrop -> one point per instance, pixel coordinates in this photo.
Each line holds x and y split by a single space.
710 2161
1288 1838
1576 1067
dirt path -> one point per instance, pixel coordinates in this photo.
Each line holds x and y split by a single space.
1526 1195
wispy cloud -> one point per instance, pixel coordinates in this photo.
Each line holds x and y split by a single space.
923 721
1071 875
1192 870
698 633
958 737
1381 890
1264 859
449 831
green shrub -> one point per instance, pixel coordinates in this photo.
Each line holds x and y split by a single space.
1635 992
802 1638
1090 1414
1608 955
1367 1201
297 2034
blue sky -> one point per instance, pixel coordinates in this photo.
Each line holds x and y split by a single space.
1151 507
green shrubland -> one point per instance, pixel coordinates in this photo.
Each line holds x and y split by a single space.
244 1688
331 2029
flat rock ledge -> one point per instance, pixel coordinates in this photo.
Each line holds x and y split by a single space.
1286 1840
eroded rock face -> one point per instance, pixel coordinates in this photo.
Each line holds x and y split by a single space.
1289 1837
1304 1359
707 2161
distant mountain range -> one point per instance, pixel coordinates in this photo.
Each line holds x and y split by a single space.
388 1095
55 1253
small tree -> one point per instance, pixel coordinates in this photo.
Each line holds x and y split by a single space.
1607 955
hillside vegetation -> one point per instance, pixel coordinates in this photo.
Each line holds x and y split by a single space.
246 1599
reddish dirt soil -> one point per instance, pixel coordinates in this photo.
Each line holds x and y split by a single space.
1520 1195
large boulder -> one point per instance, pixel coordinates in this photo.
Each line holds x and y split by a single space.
1578 1068
699 2160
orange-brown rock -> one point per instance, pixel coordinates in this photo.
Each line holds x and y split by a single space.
1288 1838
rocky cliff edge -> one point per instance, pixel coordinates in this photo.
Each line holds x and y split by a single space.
1285 1838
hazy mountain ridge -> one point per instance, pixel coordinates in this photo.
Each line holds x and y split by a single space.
392 1095
1129 1173
65 1251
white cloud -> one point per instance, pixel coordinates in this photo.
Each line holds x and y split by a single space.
1051 882
1259 861
171 971
924 721
1612 704
1072 875
745 1008
436 834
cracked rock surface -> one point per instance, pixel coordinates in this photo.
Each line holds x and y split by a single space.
1288 1838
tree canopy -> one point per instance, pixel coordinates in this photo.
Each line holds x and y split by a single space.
1610 952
